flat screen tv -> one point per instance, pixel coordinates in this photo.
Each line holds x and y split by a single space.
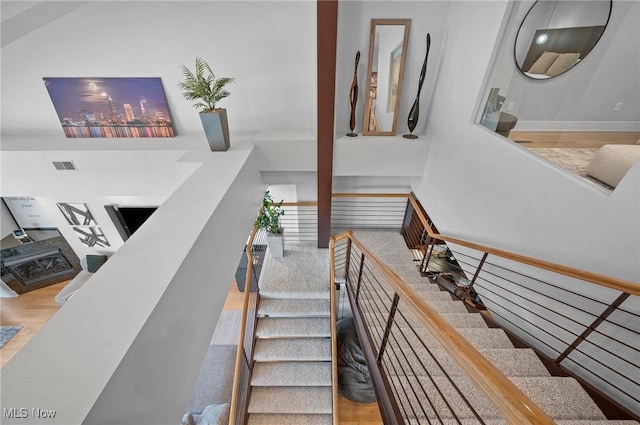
128 219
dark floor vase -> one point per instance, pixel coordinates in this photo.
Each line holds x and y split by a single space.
216 128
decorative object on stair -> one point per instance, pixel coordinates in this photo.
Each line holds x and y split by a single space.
354 380
208 90
269 220
414 113
7 332
353 99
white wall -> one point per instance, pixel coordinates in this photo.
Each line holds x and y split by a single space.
583 98
152 306
268 46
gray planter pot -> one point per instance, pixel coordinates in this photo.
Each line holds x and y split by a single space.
276 244
216 128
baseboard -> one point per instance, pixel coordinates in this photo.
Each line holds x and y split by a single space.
623 126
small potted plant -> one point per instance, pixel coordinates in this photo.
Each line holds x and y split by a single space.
269 220
203 86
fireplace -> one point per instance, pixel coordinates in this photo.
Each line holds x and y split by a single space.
35 267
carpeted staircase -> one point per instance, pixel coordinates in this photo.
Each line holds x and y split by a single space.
562 398
291 381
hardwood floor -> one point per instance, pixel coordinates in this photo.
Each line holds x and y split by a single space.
33 309
352 413
573 139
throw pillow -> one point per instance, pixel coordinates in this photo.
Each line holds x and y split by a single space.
215 414
187 419
94 262
543 63
563 63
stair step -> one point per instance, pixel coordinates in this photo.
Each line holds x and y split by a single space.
503 422
294 307
278 327
480 338
426 295
292 349
451 306
511 362
290 400
289 419
423 284
560 398
465 320
291 374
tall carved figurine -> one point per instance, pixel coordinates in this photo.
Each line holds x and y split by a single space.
414 113
353 97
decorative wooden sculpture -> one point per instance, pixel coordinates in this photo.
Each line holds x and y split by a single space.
414 113
354 97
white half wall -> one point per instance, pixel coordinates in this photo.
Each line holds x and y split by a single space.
129 345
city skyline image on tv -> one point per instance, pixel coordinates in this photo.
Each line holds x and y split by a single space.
110 107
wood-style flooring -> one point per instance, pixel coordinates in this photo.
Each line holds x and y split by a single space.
33 309
573 139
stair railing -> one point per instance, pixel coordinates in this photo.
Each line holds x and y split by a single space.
566 314
255 249
334 338
389 325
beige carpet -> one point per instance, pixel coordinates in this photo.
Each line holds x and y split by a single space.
575 160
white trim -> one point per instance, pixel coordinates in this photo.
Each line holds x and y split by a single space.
577 126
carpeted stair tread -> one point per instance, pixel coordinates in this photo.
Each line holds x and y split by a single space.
423 284
289 419
597 422
560 397
424 294
294 308
480 338
503 422
278 327
292 349
417 361
282 277
291 374
290 400
465 320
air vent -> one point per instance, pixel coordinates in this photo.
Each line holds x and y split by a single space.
64 165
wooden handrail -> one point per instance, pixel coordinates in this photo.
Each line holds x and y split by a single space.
243 326
598 279
334 336
514 406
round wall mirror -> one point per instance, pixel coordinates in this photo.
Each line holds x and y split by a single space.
556 35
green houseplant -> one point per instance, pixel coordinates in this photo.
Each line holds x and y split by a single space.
203 87
269 220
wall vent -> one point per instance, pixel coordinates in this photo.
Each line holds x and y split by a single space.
64 165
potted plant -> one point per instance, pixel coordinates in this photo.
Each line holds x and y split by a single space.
269 220
203 87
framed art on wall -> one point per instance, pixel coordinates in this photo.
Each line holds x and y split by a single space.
77 214
111 107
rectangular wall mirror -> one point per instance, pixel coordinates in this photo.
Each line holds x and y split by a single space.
387 55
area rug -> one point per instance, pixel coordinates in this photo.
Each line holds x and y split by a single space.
7 332
575 160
